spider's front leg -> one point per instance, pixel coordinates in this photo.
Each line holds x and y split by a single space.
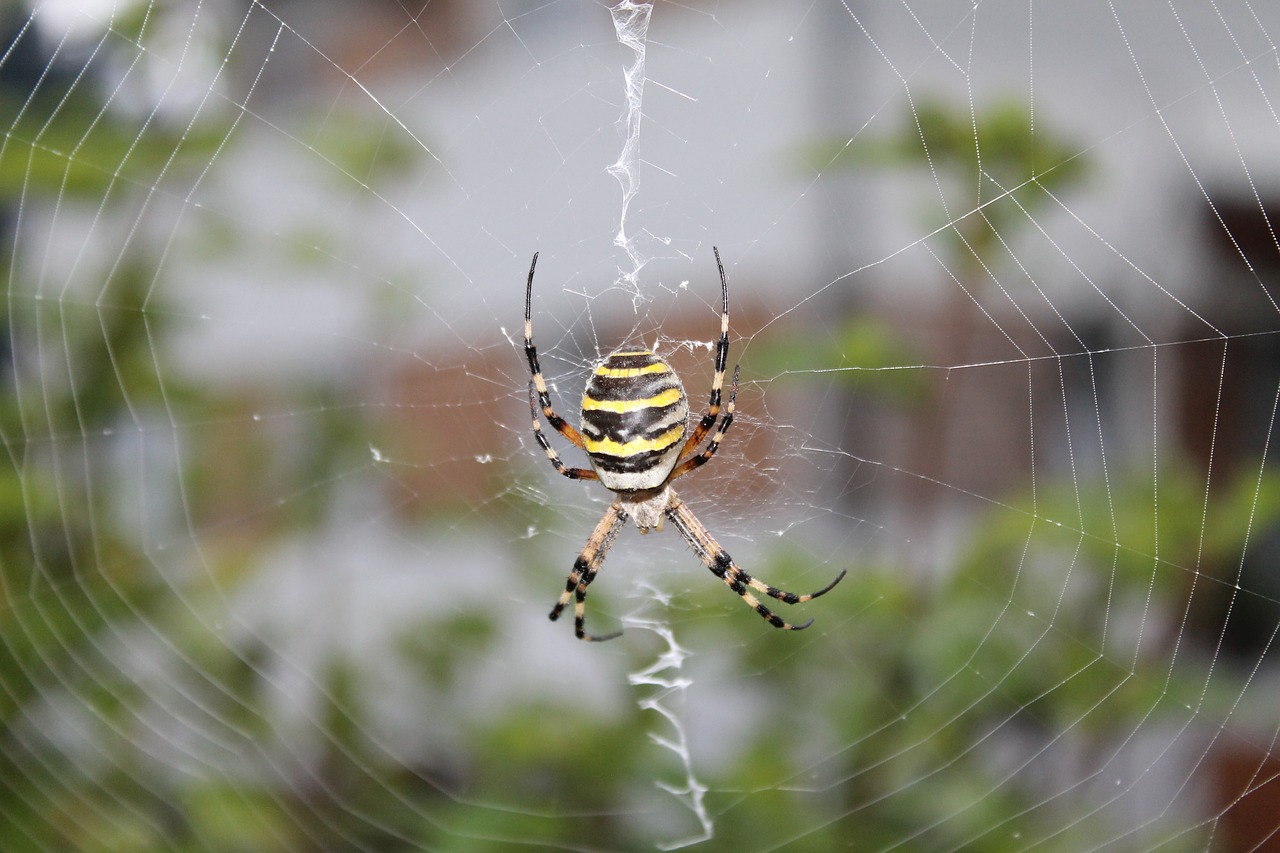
571 473
539 389
585 569
717 382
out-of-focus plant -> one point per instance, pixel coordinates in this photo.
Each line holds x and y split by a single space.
1048 646
74 372
992 171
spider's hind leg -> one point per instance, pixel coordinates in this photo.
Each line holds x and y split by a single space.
722 566
585 569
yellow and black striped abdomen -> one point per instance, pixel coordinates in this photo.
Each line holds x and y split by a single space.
633 420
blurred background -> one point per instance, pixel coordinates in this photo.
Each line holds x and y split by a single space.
277 545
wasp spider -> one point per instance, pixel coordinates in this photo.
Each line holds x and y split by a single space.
633 418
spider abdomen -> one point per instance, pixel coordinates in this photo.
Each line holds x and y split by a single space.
634 415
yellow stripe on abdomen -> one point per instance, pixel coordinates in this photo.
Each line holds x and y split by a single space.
628 372
609 447
658 401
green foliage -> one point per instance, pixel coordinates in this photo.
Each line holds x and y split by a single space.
1000 144
68 145
356 147
878 726
1049 640
863 353
990 171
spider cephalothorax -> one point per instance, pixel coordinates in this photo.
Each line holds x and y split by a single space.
634 422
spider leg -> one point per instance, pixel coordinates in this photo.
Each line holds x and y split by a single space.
585 569
540 383
704 457
722 359
571 473
722 566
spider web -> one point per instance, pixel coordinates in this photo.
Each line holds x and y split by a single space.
278 545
